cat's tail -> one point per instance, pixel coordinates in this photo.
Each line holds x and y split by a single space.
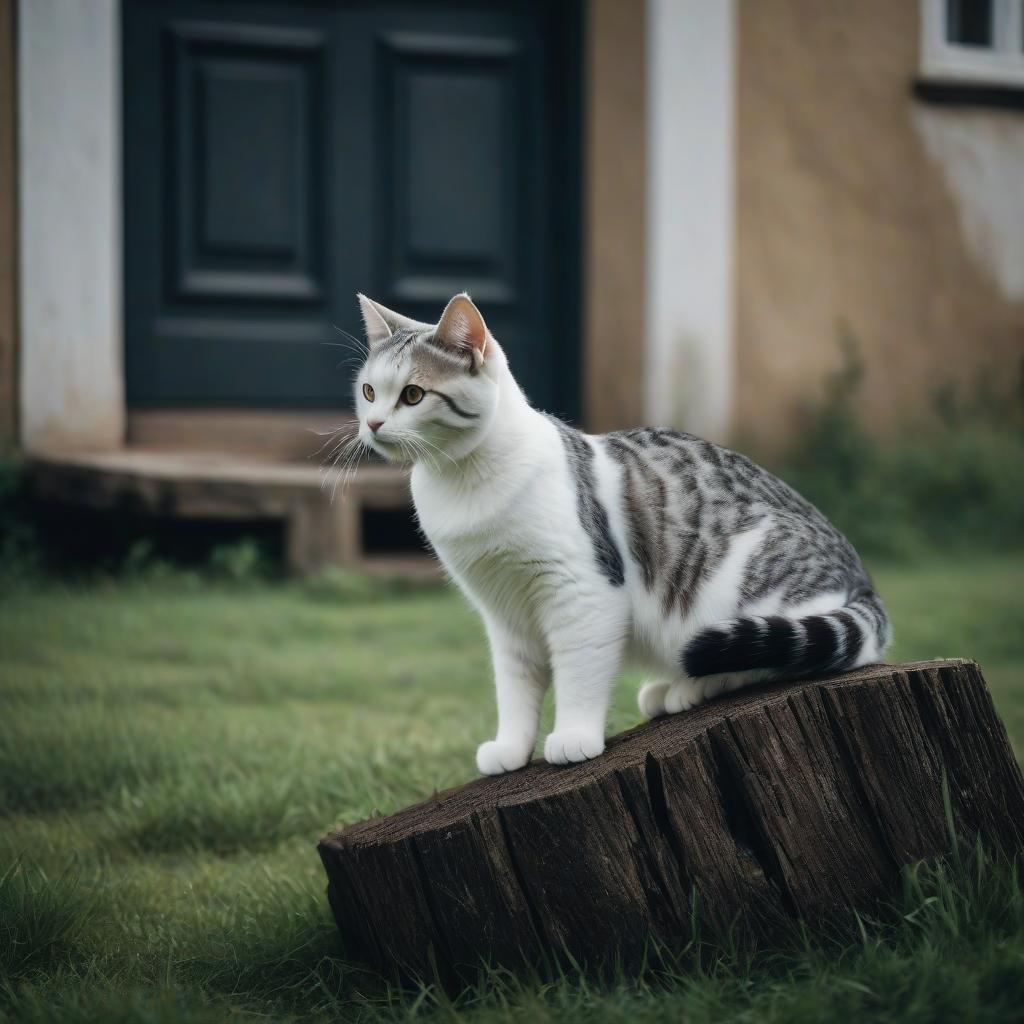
791 648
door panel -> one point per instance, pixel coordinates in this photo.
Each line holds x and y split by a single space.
281 157
453 110
246 106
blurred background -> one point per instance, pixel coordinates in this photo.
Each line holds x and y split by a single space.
792 226
718 216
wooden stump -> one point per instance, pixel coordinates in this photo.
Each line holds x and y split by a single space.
794 800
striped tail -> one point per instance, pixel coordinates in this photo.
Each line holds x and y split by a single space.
792 648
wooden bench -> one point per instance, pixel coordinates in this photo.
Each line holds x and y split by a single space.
319 531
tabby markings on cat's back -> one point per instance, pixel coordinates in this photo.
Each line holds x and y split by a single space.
593 515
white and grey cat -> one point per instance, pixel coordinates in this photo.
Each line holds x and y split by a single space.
574 547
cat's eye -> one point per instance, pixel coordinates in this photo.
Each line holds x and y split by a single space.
412 394
368 392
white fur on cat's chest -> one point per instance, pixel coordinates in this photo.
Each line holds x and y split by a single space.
499 542
500 575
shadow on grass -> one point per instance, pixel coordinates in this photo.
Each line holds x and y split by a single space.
64 956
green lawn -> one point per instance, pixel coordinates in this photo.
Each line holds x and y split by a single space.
170 752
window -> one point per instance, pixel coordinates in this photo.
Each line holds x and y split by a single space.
969 22
979 41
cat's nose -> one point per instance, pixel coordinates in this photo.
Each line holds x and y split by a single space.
375 425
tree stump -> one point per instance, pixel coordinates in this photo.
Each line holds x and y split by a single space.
799 800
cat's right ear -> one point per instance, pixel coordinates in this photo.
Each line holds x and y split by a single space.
377 329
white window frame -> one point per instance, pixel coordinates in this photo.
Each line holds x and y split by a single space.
1002 64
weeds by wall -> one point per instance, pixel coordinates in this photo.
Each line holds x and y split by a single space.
952 482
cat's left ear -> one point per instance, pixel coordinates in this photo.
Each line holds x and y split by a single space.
462 326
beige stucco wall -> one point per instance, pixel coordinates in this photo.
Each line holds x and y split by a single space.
614 182
860 205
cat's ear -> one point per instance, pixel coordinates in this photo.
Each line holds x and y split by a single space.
462 326
381 322
375 325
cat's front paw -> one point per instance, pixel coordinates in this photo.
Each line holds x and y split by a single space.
495 757
570 745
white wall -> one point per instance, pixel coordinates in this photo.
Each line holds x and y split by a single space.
72 382
690 123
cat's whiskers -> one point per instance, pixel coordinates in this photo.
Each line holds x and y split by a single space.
342 452
341 464
332 436
346 473
356 346
403 439
340 446
423 452
350 469
435 465
440 451
423 449
359 343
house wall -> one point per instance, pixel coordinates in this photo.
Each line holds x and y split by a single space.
613 249
859 205
8 234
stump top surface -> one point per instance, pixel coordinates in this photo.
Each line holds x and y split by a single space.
663 736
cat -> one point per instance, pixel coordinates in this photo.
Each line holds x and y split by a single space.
575 547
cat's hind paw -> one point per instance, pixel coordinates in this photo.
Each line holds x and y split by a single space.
669 697
496 758
651 698
684 694
571 745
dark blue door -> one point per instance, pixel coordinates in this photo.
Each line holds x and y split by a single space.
281 157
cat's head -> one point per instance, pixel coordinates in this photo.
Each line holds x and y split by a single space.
427 391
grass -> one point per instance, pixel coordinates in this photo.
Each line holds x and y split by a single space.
170 751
